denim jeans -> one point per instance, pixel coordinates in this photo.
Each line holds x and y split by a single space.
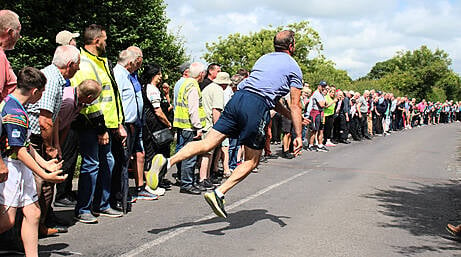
94 183
187 167
233 151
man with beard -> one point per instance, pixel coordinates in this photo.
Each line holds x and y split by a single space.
99 123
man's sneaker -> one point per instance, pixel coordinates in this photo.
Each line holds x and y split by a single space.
288 155
313 148
207 184
322 149
87 218
109 212
159 163
143 194
216 203
65 202
159 191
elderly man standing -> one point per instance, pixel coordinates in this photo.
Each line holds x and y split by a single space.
131 96
189 119
99 123
10 29
44 124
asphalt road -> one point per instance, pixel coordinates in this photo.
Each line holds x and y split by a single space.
391 196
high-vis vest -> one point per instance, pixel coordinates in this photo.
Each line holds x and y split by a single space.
181 112
109 103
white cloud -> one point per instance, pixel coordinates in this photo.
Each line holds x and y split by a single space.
356 33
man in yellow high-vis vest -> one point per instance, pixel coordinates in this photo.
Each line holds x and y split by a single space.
98 124
189 119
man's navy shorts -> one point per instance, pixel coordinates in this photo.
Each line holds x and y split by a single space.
245 117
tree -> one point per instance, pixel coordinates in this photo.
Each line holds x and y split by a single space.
242 51
320 69
128 22
417 72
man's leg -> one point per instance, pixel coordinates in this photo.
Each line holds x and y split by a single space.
7 217
194 148
69 155
29 229
251 161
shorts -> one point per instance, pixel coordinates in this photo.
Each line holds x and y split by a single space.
19 189
286 125
245 117
316 120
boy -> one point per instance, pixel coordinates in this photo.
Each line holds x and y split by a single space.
19 190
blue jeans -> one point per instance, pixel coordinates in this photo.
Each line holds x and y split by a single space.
233 151
186 167
94 182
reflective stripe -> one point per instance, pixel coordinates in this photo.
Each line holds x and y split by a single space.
106 99
94 114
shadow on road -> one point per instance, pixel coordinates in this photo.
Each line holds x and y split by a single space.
235 220
422 210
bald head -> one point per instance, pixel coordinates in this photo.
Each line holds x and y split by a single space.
88 90
10 29
139 55
284 41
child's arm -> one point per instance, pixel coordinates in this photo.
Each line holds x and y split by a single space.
29 161
51 165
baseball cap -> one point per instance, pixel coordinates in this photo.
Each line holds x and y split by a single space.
64 37
323 83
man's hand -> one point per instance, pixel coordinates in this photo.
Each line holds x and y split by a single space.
103 139
3 172
51 151
53 165
199 134
306 121
55 177
297 146
121 132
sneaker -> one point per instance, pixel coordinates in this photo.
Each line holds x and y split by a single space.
330 144
313 148
159 163
109 212
87 218
216 203
207 184
143 194
65 202
200 187
190 190
160 191
287 155
322 149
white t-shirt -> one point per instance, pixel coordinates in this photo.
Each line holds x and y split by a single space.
153 95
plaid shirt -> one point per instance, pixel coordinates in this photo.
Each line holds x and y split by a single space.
51 98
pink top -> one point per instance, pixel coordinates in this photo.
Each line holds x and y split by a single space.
7 76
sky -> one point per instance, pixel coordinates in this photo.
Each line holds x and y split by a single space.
355 34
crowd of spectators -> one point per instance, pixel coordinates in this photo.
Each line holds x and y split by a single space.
117 119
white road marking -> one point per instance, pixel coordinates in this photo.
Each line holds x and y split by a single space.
179 231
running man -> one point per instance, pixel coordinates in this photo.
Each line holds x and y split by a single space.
246 115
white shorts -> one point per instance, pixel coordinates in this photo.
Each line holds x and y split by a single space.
19 189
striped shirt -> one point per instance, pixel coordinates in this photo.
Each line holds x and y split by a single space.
51 98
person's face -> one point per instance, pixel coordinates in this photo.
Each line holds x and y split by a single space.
101 43
73 42
36 94
139 61
166 88
14 36
72 68
214 73
157 78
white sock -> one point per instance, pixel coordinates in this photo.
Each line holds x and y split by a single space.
218 193
320 145
168 165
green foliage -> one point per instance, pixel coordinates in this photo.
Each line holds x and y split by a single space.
437 94
128 22
416 73
242 51
319 69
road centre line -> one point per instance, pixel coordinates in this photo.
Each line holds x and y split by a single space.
179 231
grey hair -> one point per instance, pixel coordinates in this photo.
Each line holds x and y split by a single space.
195 69
127 56
65 55
8 19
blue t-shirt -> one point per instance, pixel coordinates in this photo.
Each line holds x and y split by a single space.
272 76
15 126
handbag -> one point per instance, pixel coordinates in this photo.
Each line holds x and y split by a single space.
162 137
